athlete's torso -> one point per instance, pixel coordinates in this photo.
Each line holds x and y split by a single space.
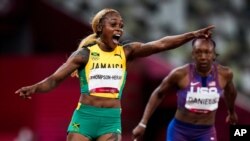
104 75
202 94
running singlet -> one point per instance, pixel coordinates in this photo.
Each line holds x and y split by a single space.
202 94
105 73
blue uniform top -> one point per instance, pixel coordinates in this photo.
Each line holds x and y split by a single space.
202 93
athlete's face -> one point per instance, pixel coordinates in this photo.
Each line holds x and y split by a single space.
203 54
111 30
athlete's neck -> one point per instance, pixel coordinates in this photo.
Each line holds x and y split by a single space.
202 72
103 46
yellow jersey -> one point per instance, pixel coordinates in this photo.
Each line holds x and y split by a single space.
105 73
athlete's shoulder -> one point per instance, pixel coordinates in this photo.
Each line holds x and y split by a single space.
120 46
81 54
132 44
225 71
130 48
180 72
89 45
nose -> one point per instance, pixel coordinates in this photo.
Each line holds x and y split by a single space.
203 55
119 29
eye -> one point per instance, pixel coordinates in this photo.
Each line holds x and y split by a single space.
113 24
209 52
121 25
198 52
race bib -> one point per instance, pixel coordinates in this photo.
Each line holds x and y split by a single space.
105 78
204 99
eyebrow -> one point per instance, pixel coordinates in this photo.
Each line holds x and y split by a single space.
116 19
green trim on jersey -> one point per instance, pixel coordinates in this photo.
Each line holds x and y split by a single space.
83 81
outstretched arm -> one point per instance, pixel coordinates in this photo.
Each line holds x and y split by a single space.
168 84
230 95
77 59
137 49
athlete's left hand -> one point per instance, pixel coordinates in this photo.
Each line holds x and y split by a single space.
232 118
137 133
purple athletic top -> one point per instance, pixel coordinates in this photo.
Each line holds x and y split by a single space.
202 93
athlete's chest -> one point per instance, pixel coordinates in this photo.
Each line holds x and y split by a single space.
202 94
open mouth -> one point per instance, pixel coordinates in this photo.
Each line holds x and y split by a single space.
203 64
116 38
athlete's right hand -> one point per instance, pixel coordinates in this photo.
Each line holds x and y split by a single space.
138 132
26 92
205 32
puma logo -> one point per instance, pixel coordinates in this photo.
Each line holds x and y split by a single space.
118 55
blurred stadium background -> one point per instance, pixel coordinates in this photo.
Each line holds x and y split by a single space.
37 36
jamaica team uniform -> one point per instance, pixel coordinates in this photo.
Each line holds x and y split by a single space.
103 76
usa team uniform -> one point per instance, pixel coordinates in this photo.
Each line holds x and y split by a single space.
200 96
